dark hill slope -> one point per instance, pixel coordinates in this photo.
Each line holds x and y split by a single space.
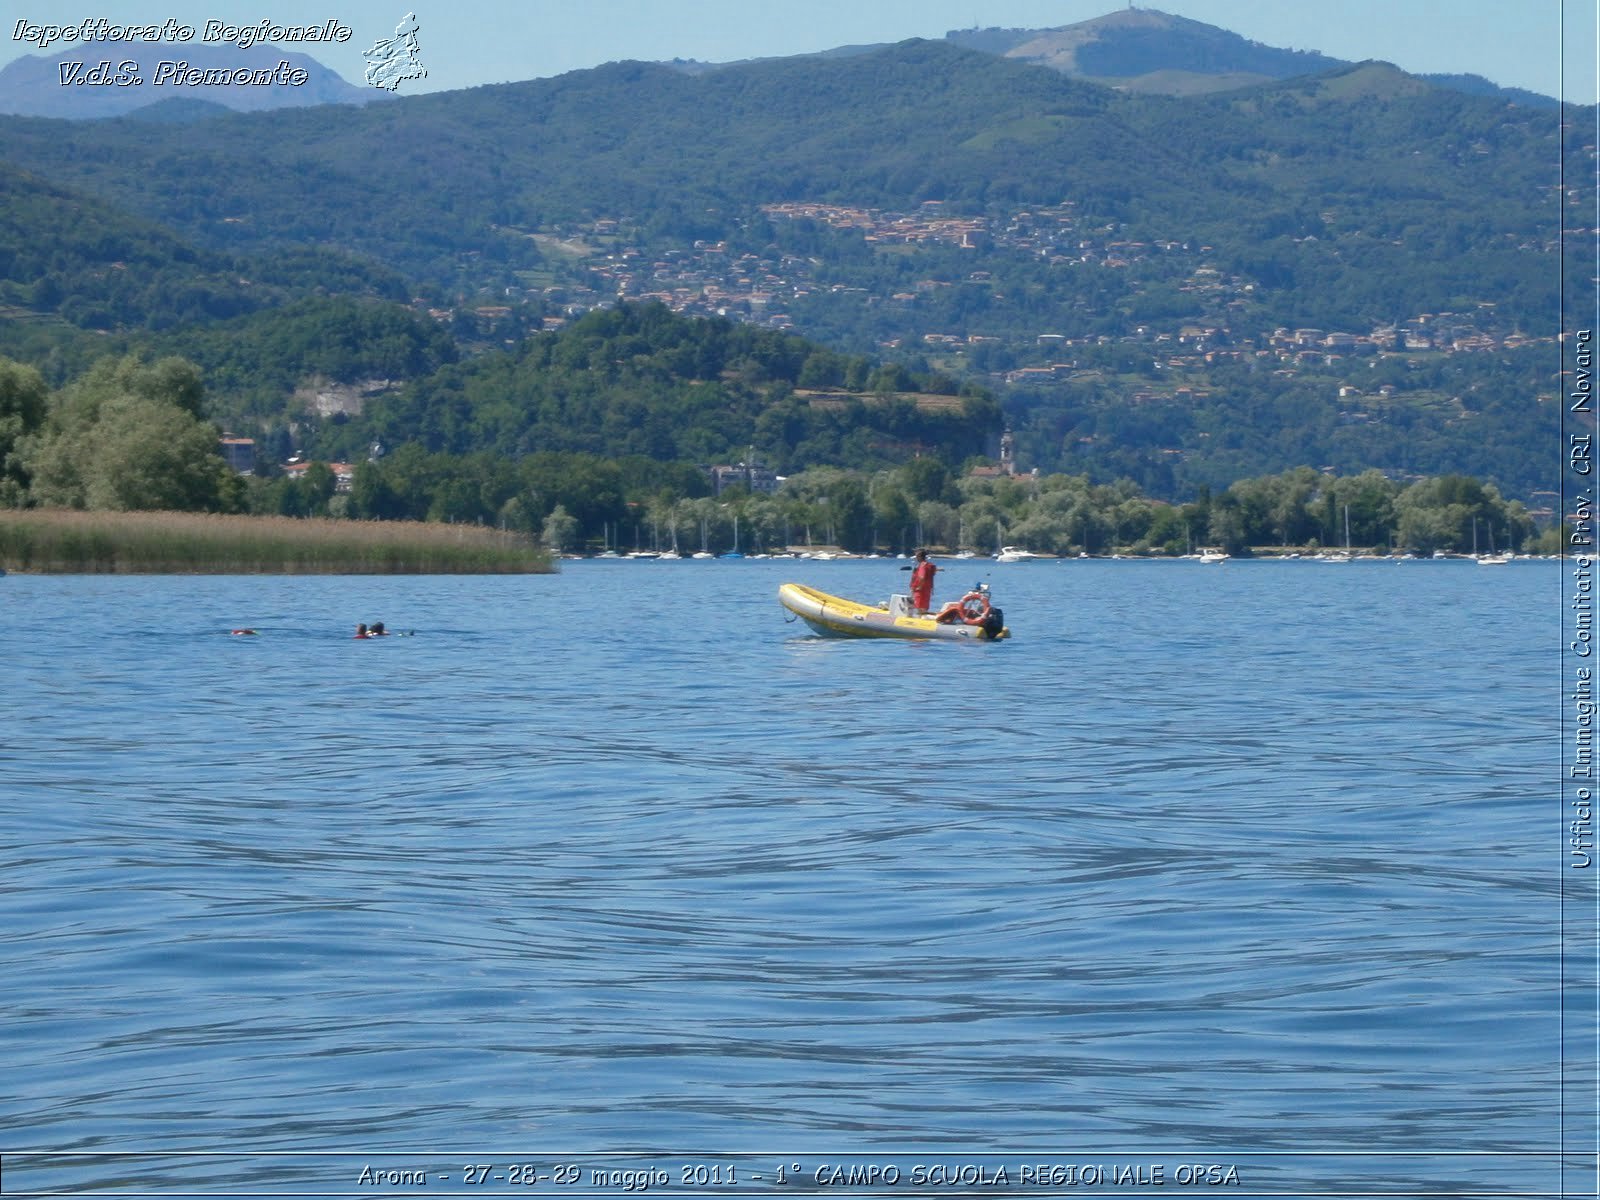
423 181
1348 199
419 180
67 257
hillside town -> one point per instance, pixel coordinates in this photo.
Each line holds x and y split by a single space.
606 261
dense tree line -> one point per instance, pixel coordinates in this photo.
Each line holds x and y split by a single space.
252 366
638 504
130 435
125 436
639 380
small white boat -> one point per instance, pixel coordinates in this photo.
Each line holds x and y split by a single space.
970 619
1213 556
1009 554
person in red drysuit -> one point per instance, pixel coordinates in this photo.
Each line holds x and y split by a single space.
922 583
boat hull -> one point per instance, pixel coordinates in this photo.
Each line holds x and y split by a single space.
834 616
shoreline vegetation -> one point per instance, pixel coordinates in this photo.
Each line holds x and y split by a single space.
68 541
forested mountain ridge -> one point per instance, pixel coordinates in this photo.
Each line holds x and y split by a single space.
958 212
690 157
1146 50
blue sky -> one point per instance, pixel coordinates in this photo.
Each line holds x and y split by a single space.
1518 43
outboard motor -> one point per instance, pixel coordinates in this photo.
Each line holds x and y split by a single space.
993 622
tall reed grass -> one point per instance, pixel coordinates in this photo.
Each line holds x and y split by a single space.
69 542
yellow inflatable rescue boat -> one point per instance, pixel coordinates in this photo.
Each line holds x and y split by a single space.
971 619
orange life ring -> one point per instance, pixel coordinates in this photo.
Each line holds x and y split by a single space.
974 615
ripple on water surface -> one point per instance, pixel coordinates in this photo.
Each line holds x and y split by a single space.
1234 859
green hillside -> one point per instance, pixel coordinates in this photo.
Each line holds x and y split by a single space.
71 265
1413 170
639 381
1175 290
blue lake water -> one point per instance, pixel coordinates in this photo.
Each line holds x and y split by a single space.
1252 865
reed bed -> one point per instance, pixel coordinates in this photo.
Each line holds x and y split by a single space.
61 541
